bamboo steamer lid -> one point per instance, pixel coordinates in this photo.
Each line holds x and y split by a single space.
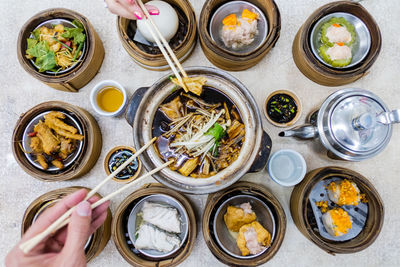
88 155
230 61
120 236
315 70
99 238
79 75
182 47
304 219
245 188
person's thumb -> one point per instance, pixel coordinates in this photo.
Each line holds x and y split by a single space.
78 229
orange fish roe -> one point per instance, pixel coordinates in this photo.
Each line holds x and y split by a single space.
336 25
247 14
341 221
348 193
323 205
340 44
230 20
363 198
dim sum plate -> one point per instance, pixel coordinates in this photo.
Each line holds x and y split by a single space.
26 140
237 7
361 46
133 223
226 239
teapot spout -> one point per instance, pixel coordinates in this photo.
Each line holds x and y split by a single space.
307 131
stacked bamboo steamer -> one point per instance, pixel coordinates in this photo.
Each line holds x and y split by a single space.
318 72
79 75
99 238
229 60
88 155
182 44
120 232
305 220
215 200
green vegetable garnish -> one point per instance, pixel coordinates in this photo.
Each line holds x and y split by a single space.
36 33
78 24
45 59
75 33
46 62
217 131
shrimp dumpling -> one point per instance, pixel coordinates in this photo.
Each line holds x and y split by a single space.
337 222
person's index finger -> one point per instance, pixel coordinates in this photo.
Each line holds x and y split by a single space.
52 214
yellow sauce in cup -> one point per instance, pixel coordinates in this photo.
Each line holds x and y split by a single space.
109 99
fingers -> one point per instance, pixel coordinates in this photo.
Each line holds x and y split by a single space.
78 230
118 9
52 214
129 9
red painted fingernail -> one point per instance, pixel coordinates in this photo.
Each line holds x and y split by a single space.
129 1
137 15
154 12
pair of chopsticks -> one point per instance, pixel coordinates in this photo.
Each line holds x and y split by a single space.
157 36
64 219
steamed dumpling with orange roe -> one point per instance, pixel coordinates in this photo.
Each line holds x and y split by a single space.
237 32
253 238
236 217
344 193
337 222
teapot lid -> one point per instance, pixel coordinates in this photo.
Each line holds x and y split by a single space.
348 126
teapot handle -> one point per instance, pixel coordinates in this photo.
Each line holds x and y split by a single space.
389 117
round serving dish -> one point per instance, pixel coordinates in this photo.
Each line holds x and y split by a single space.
359 49
150 57
303 217
235 7
162 199
298 105
273 214
230 60
114 155
84 158
65 23
120 230
222 234
96 242
255 150
316 70
77 76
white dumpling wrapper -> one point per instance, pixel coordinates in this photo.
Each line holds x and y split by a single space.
165 218
150 237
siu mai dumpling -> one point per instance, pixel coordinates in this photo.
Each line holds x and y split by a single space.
337 222
149 237
162 216
236 217
253 238
344 193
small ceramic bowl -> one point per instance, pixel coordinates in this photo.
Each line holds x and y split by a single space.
121 153
295 98
359 49
162 199
237 7
98 87
226 239
287 167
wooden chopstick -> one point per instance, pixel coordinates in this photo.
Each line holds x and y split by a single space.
26 246
165 43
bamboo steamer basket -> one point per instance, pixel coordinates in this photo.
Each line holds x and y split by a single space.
231 61
304 219
120 236
79 75
90 151
100 237
245 188
157 61
315 70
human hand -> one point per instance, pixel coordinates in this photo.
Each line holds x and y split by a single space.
129 9
66 246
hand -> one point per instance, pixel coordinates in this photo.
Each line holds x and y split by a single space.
129 9
66 246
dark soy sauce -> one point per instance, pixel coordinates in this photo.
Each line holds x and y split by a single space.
281 108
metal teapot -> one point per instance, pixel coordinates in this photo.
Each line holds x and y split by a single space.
353 124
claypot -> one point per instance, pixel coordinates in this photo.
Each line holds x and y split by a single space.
255 150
